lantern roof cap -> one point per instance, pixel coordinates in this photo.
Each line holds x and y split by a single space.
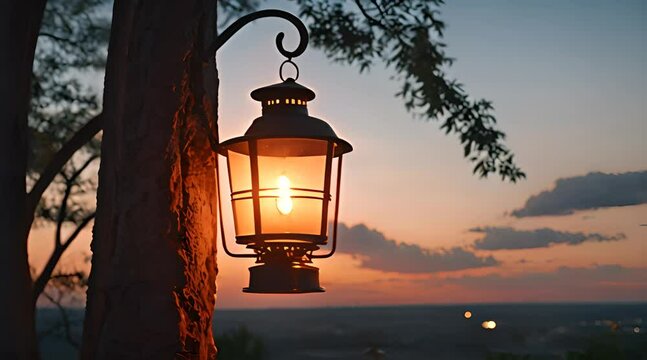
286 120
286 89
277 126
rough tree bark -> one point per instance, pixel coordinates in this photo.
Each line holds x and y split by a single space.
152 286
19 24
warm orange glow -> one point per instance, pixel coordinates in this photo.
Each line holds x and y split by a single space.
467 314
488 325
290 196
284 201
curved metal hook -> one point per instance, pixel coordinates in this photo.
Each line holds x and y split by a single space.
240 23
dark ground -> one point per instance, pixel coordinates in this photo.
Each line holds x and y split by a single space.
543 331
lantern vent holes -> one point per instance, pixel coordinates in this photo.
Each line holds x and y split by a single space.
286 101
285 253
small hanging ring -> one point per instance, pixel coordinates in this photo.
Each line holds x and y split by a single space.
288 61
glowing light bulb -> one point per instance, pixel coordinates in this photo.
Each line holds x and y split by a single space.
284 202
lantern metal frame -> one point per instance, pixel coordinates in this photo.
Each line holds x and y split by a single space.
285 255
290 258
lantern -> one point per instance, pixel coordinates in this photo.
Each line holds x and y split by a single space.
280 176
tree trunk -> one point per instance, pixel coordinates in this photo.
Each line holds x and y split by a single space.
19 25
152 285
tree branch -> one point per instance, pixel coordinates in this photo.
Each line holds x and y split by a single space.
62 210
78 172
55 37
368 17
379 9
80 138
59 249
78 230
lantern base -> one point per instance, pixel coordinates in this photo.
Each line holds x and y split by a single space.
283 278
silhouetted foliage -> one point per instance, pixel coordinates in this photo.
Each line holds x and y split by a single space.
240 344
230 10
72 45
407 36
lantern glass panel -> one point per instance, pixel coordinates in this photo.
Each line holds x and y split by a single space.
240 181
239 168
243 216
292 176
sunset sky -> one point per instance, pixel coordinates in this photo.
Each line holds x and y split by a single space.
569 84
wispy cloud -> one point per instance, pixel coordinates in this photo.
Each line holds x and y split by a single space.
377 252
507 238
598 282
564 280
592 191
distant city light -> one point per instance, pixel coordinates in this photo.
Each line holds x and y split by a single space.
488 325
467 314
636 330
